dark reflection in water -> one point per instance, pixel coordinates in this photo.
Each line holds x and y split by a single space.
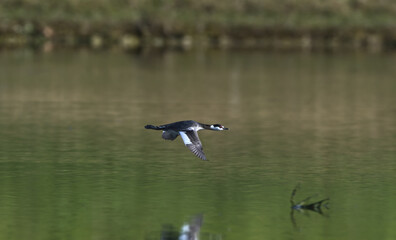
305 206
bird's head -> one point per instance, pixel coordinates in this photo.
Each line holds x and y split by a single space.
218 127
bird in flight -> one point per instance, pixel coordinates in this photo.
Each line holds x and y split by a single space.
188 130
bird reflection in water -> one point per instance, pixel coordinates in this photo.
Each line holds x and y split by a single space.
189 230
305 205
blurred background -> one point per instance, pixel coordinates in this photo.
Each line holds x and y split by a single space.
307 89
286 24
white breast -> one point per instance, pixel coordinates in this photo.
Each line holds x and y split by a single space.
195 128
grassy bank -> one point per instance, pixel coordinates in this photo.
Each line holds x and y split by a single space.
288 23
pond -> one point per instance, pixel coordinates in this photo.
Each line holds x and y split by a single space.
77 163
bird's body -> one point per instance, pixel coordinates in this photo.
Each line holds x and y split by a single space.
188 130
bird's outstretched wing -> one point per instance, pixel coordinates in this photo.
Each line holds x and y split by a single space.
191 140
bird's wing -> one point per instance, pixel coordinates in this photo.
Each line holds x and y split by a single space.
169 135
191 140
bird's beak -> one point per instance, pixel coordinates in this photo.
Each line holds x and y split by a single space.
225 128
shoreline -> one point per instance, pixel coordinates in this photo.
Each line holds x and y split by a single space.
130 36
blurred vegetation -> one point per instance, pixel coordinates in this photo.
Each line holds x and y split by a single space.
260 13
246 18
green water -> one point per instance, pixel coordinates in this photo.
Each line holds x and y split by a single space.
77 163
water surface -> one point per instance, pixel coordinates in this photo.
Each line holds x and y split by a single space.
77 163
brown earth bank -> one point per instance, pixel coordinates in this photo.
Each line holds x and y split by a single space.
156 35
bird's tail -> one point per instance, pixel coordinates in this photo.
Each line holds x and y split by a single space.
153 127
